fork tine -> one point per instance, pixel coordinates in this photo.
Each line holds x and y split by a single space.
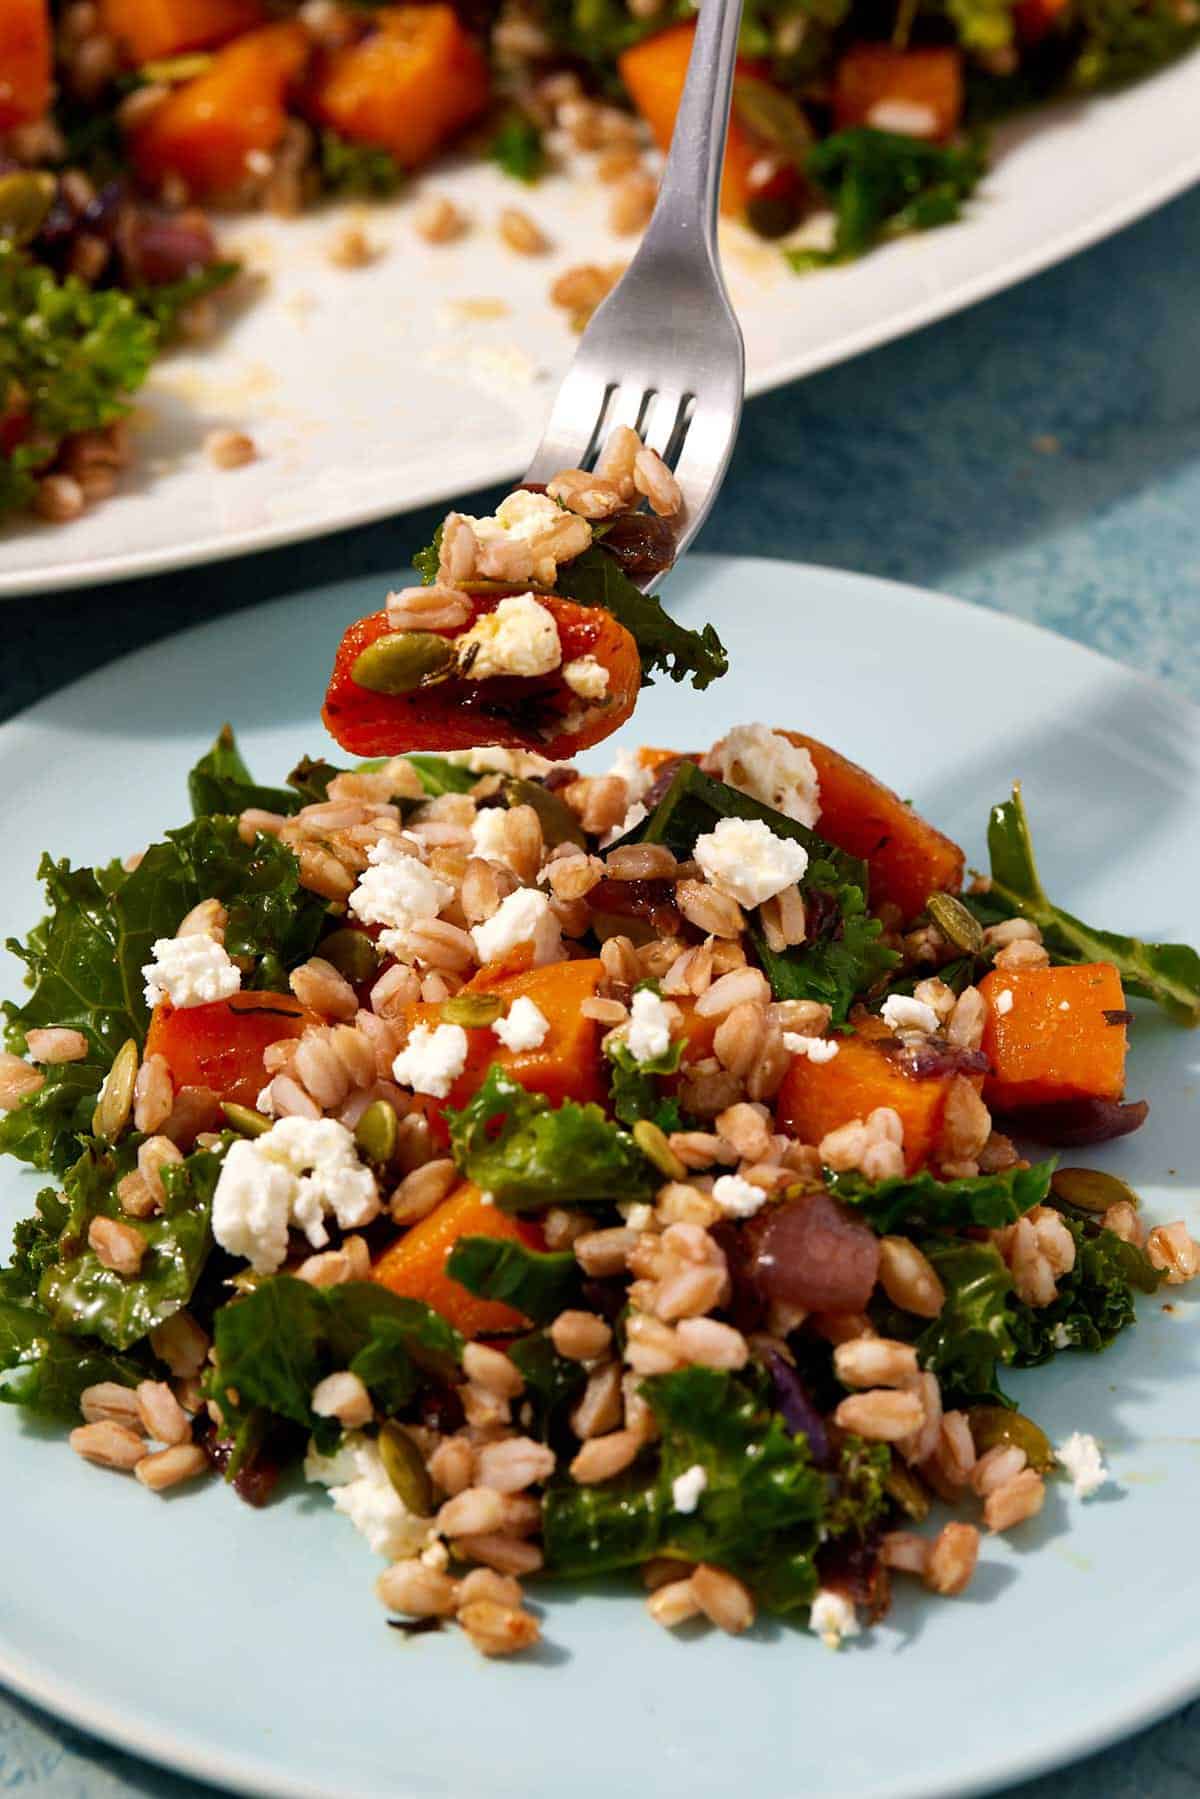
659 430
575 424
626 406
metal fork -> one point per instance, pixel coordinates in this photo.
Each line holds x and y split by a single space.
664 352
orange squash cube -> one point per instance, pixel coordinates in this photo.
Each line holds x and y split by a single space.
918 93
1052 1040
415 1266
654 72
220 1046
409 87
146 30
818 1097
26 61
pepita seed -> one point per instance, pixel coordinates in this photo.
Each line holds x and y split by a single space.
559 824
908 1490
992 1425
403 661
116 1095
171 69
353 954
1090 1189
375 1132
245 1120
654 1146
26 196
472 1009
956 924
405 1469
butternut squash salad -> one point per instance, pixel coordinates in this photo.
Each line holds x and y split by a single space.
125 124
649 1171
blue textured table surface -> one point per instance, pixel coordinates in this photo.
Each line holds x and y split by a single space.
1039 454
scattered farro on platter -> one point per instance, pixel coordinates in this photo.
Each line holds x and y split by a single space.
648 1172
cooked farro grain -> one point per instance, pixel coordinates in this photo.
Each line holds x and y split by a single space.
17 1081
115 1245
967 1019
521 232
485 1583
956 1448
499 1629
452 1465
580 1336
652 477
318 985
181 1343
952 1558
882 1416
416 1591
906 1552
230 449
710 911
601 1253
601 1458
707 1343
908 1278
171 1467
161 1414
59 498
111 1445
492 1369
673 1603
598 1411
350 248
155 1154
438 220
344 1397
651 1346
56 1045
514 1464
109 1403
874 1362
996 1468
134 1196
723 1599
1123 1220
1020 1498
507 1555
1172 1248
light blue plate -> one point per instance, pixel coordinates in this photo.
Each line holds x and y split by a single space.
248 1648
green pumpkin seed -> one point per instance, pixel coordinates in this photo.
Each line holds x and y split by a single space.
116 1095
171 69
26 196
246 1120
352 953
654 1146
559 824
773 116
908 1490
1090 1189
472 1009
375 1133
992 1425
404 661
404 1467
956 924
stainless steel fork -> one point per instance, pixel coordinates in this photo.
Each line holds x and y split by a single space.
664 352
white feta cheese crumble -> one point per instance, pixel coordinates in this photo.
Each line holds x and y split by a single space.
905 1014
768 767
636 1214
747 862
687 1487
524 1027
523 917
649 1026
360 1489
535 519
1080 1456
817 1049
633 817
586 677
833 1619
265 1102
1063 1338
398 891
908 118
489 834
432 1060
1003 1002
737 1197
293 1174
519 638
189 971
526 764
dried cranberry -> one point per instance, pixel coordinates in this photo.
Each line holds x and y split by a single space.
640 542
651 900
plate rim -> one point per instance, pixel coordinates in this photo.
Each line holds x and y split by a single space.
180 1750
1147 197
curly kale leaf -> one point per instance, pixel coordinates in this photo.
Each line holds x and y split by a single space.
357 171
46 1128
518 148
1168 973
164 301
73 354
759 1513
1095 1298
634 1092
46 1371
664 645
537 1283
882 184
275 1343
84 1298
973 1331
919 1202
220 782
531 1155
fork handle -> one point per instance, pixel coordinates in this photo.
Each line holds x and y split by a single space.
689 194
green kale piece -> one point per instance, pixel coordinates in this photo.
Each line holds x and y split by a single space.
634 1092
843 955
1121 42
165 300
220 782
1168 973
760 1513
538 1283
973 1331
275 1343
552 1384
437 773
881 184
531 1155
357 171
46 1128
82 1297
46 1371
518 149
664 645
1095 1298
70 356
920 1202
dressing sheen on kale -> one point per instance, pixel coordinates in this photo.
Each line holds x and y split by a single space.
274 1344
760 1513
530 1155
1168 973
221 782
842 956
921 1202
